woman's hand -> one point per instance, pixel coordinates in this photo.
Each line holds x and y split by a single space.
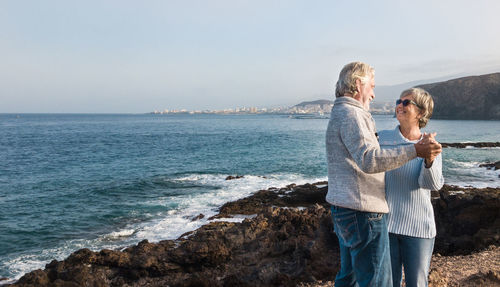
429 138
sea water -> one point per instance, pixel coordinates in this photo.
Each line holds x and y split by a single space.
109 181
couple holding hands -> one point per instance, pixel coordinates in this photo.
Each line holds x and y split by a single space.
379 184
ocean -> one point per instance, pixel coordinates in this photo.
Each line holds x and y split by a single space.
71 181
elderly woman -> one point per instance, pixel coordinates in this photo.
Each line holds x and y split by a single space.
408 190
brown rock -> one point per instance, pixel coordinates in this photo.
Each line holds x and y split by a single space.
198 217
466 221
35 278
488 165
476 144
230 177
491 278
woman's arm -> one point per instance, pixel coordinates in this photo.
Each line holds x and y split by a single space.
432 177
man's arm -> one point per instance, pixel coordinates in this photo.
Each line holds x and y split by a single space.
366 152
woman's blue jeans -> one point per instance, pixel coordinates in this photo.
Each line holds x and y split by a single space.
364 248
415 255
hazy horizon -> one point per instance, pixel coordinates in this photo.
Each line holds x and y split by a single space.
136 57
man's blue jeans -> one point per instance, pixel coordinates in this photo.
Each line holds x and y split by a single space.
364 248
415 255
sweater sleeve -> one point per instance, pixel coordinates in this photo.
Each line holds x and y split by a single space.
432 177
363 146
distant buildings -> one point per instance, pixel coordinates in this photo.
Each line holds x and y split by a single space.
311 109
242 110
316 107
382 108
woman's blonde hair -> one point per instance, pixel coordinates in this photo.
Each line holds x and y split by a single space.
351 72
424 103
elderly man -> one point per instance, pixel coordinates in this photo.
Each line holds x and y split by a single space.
356 190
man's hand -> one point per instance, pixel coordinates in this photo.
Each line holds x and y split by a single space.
428 148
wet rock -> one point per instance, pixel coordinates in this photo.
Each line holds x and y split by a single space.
465 145
493 165
198 217
230 177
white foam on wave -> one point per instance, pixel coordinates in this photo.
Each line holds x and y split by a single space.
474 184
457 192
469 174
238 218
452 163
19 264
190 206
173 223
116 235
180 220
481 148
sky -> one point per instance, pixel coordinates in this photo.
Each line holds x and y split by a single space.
120 56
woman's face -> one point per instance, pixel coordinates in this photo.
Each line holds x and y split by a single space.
408 115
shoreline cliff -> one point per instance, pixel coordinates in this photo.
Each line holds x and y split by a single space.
286 239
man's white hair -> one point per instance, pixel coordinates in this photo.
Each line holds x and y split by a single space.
351 72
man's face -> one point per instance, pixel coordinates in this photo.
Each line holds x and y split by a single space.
366 93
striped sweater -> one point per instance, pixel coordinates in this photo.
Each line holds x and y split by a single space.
408 191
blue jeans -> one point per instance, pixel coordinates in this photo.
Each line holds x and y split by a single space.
415 255
364 248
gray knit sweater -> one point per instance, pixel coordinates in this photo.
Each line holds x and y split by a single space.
356 164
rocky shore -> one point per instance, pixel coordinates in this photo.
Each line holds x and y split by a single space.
286 239
476 144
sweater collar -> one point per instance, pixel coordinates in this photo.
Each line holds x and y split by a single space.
348 101
400 136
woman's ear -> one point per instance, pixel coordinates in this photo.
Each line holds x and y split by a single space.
420 115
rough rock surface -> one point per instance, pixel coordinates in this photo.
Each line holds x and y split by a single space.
288 242
477 269
230 177
477 144
491 165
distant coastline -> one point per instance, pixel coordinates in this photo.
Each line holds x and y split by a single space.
318 107
467 98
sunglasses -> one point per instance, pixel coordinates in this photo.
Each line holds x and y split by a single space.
407 102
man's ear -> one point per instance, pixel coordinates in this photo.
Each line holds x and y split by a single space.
358 85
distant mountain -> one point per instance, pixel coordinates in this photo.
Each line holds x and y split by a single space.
390 94
465 98
471 98
318 102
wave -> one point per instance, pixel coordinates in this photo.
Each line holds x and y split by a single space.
213 190
469 174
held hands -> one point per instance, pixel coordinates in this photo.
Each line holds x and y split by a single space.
428 138
428 148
